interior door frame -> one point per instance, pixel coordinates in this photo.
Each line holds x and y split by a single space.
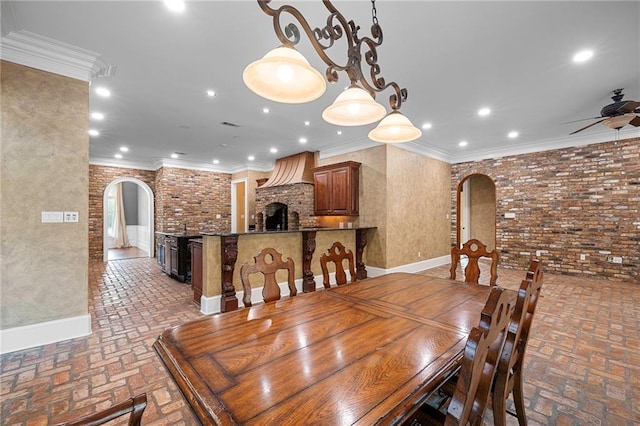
150 216
461 189
234 204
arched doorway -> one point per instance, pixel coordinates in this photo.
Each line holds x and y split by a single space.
476 210
146 237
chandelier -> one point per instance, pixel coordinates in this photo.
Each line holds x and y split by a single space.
284 74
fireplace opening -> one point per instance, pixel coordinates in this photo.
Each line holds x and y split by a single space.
277 217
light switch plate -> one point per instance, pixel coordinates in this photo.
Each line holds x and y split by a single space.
52 217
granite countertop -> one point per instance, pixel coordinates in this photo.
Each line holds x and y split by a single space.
181 234
223 234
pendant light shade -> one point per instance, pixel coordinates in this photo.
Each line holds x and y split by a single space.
620 121
354 107
395 128
284 75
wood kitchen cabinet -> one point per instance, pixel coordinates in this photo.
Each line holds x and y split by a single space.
336 189
196 269
176 256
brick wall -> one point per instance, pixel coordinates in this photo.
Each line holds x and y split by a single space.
99 178
194 197
181 196
568 202
299 199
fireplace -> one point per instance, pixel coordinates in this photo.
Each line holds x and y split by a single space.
286 199
276 218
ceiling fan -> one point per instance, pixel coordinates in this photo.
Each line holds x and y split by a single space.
618 114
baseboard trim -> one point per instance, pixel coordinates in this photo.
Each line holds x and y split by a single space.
410 267
43 333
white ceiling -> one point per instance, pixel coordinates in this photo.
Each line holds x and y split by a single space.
453 58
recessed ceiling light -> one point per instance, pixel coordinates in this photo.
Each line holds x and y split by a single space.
124 149
513 134
463 143
102 91
118 156
426 126
251 158
265 110
174 155
97 116
483 112
583 56
307 123
94 132
273 150
339 132
302 140
216 161
211 93
175 5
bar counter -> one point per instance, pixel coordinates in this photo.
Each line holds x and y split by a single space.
224 253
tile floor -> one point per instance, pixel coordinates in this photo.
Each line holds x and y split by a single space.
582 364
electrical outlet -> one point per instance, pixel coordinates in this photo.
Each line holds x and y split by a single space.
583 257
616 259
419 254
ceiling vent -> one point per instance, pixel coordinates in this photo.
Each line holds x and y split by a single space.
227 123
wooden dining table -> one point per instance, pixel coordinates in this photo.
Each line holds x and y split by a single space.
365 353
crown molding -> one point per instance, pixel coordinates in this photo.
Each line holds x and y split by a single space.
179 164
46 54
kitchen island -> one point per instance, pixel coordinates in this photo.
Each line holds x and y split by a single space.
223 254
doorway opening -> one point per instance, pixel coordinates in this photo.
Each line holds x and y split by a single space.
133 235
476 210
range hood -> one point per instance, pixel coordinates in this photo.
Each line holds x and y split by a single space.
297 168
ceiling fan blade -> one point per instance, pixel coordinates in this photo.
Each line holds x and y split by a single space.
635 122
629 107
586 127
582 119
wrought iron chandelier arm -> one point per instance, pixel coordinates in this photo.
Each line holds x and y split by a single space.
332 32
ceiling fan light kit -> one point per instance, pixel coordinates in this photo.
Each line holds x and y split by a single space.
284 75
618 114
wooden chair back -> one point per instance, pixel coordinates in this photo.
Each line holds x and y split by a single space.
509 377
267 262
135 406
474 250
337 254
480 361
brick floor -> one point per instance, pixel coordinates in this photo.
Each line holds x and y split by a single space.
582 363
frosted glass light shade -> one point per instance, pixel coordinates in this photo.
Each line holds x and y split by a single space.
354 107
619 121
395 128
284 75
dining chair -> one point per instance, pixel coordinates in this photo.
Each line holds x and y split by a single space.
337 254
134 406
479 363
474 250
267 262
509 377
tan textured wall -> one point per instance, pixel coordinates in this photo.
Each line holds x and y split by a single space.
418 207
211 260
406 196
44 167
373 200
251 177
289 244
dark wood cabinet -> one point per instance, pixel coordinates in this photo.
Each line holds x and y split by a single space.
176 255
196 269
336 188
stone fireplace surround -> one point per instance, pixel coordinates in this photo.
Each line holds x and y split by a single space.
298 197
